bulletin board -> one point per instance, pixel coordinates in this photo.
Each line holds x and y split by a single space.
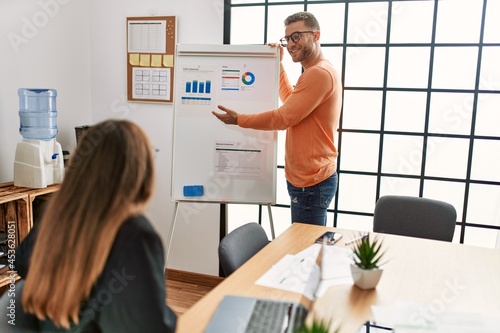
150 58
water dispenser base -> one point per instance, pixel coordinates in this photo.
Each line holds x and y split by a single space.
38 163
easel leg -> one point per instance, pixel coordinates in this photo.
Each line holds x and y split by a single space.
171 231
271 221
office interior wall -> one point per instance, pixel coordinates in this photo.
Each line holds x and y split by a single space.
79 48
196 232
44 44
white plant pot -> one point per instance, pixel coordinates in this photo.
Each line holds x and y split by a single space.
365 278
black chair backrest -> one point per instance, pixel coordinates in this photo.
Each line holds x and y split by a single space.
240 245
415 217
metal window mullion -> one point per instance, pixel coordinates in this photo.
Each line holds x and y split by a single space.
384 99
339 137
473 124
428 102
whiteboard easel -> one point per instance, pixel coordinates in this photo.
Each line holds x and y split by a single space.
213 162
174 218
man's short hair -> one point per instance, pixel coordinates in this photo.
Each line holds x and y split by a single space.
308 18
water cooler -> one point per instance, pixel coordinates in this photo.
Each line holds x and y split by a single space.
39 159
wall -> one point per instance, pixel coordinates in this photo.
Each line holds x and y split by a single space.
45 44
79 48
196 233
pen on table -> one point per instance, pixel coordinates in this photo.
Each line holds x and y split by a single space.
356 239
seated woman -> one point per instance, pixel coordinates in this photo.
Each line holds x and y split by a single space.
94 263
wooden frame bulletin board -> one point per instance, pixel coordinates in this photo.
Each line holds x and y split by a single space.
150 58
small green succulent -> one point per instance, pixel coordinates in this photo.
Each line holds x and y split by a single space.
367 252
317 326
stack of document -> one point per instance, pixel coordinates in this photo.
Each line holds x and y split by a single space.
301 272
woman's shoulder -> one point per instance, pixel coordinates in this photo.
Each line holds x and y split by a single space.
135 238
137 223
134 227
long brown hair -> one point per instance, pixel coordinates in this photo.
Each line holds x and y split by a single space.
109 178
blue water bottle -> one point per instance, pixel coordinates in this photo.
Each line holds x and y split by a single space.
37 113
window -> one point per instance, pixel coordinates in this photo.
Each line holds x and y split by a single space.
421 110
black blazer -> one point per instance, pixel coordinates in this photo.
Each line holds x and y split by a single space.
128 297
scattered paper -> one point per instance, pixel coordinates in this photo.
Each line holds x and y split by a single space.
293 273
335 268
407 317
301 273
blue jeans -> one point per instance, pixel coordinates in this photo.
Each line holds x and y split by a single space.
309 204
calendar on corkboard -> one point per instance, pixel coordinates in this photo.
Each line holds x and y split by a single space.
150 58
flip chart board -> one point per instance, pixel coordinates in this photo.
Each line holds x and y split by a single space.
212 161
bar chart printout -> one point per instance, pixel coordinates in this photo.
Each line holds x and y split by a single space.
201 87
197 85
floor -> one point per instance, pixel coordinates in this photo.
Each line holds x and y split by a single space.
181 295
184 289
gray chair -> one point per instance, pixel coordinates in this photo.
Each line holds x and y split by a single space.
415 217
240 245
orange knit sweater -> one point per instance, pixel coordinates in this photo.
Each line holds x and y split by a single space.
310 114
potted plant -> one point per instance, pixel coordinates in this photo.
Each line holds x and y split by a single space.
365 270
317 326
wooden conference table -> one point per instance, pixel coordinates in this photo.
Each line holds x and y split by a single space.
444 275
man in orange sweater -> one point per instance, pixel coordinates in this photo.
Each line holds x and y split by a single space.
310 114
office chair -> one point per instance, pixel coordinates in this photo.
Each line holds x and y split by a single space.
240 245
415 217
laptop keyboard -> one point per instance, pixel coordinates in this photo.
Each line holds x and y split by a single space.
269 317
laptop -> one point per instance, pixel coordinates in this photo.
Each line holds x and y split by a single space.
241 314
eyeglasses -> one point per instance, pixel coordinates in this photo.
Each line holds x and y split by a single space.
294 36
